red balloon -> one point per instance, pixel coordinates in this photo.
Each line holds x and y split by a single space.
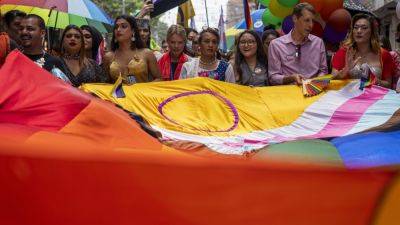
317 29
329 7
318 4
340 20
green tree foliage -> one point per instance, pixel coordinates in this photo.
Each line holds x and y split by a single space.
114 7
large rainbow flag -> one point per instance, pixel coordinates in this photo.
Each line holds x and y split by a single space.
228 154
349 127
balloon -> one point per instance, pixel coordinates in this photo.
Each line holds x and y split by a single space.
265 2
269 18
317 30
398 10
279 10
333 36
258 26
329 7
316 3
287 24
340 20
288 3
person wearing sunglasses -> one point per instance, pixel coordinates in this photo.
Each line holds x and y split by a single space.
250 62
208 65
362 55
297 55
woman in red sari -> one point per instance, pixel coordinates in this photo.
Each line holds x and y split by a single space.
171 63
361 51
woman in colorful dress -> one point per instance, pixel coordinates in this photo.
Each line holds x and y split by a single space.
207 65
361 54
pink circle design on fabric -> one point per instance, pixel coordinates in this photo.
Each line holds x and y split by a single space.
215 94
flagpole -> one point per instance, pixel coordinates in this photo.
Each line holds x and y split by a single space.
205 3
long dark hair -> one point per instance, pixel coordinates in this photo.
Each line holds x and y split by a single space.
239 58
82 57
132 22
145 24
97 38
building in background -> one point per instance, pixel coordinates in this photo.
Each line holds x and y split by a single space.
386 12
235 13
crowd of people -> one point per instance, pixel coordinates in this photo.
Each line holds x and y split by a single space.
256 60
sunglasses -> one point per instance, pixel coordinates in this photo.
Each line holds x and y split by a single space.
297 54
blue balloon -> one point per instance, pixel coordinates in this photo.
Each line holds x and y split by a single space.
287 24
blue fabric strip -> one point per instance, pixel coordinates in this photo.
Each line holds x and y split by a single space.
369 149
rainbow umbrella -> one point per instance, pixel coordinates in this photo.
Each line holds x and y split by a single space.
61 13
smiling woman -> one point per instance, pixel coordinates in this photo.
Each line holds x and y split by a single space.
250 61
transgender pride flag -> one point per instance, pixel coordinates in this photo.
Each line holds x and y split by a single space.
221 28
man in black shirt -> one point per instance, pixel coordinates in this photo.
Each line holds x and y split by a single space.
32 34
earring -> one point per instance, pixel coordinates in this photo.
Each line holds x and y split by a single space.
133 38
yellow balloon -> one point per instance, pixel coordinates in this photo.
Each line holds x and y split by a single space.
279 10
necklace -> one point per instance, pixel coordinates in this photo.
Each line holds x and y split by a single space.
71 56
40 62
208 63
